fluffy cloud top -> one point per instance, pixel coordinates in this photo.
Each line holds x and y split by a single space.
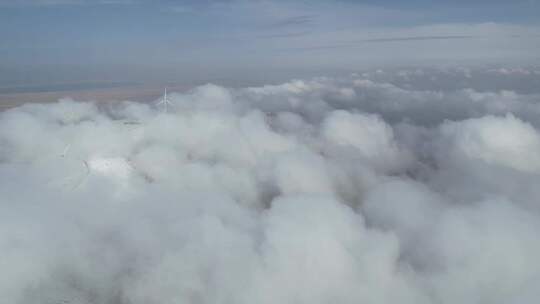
366 188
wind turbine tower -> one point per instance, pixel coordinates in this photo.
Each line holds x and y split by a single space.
165 102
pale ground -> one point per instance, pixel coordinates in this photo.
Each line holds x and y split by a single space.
140 93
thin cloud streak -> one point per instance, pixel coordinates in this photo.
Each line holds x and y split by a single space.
284 35
381 40
30 3
293 21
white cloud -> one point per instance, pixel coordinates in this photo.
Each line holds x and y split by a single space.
365 188
507 142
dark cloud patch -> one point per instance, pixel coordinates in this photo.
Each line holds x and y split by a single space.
294 21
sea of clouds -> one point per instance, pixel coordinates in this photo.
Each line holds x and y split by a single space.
402 186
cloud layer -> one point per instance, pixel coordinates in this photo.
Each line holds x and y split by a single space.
369 188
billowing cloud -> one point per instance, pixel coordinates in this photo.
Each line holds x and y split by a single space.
368 188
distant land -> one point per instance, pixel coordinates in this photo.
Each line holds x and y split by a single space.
96 91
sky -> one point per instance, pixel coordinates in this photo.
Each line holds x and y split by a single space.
145 40
326 152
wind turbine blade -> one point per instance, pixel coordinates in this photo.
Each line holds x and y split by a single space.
66 149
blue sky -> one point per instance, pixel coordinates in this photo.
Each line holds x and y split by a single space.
241 36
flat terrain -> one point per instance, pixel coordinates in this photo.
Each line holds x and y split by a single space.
10 98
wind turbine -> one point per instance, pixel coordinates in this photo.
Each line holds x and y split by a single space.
66 149
78 179
165 101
